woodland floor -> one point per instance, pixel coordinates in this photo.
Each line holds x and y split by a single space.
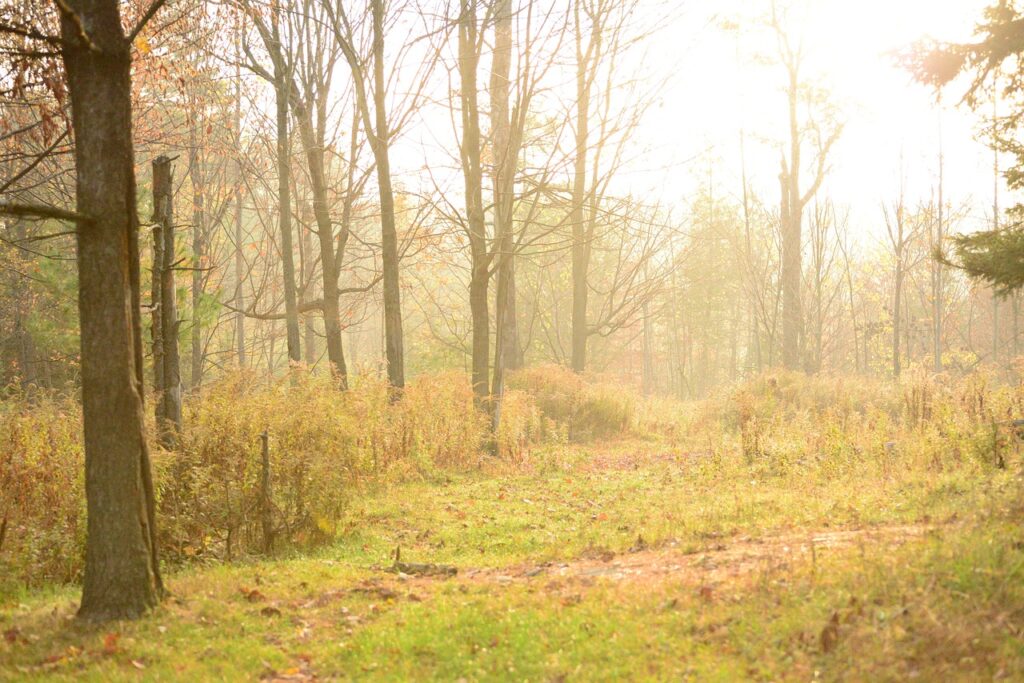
628 561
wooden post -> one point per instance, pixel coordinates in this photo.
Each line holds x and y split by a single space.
266 518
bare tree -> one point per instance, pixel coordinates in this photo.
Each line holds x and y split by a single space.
903 231
371 84
603 30
823 128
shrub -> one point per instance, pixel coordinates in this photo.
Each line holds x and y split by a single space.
325 445
586 409
42 491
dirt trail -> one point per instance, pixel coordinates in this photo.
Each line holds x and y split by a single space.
727 560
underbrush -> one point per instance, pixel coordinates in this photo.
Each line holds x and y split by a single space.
327 448
324 446
787 422
575 408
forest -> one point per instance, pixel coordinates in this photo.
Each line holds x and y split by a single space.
529 340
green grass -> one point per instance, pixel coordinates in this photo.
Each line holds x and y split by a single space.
946 606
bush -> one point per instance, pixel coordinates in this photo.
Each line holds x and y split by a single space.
42 491
326 445
323 445
587 410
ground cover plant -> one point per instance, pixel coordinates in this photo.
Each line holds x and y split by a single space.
857 540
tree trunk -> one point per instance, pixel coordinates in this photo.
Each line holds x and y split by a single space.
647 376
156 310
394 343
198 178
168 412
291 306
792 311
239 256
473 182
329 257
580 251
306 247
122 578
507 350
937 266
897 311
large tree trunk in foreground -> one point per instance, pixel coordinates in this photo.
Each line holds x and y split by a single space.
122 578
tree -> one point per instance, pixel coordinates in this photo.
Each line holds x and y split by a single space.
903 231
602 32
368 76
470 42
282 88
508 354
307 89
824 130
994 256
166 367
122 577
537 38
826 228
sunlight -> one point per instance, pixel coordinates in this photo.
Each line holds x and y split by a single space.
511 340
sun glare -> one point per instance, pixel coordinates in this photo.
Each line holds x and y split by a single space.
720 85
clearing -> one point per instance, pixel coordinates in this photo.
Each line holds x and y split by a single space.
629 560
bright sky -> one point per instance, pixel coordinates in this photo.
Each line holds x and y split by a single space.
712 94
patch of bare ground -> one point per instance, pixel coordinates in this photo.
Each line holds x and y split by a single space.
626 460
724 563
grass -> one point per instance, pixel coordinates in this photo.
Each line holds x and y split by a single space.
944 606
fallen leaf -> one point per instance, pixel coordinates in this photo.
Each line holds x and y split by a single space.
830 634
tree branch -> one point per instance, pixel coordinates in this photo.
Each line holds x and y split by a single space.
42 211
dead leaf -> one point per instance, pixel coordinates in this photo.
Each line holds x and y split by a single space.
830 634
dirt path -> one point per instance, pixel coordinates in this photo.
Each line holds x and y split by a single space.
725 562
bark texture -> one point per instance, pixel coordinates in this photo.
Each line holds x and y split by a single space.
122 578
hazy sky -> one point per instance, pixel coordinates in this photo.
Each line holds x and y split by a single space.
717 83
717 86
